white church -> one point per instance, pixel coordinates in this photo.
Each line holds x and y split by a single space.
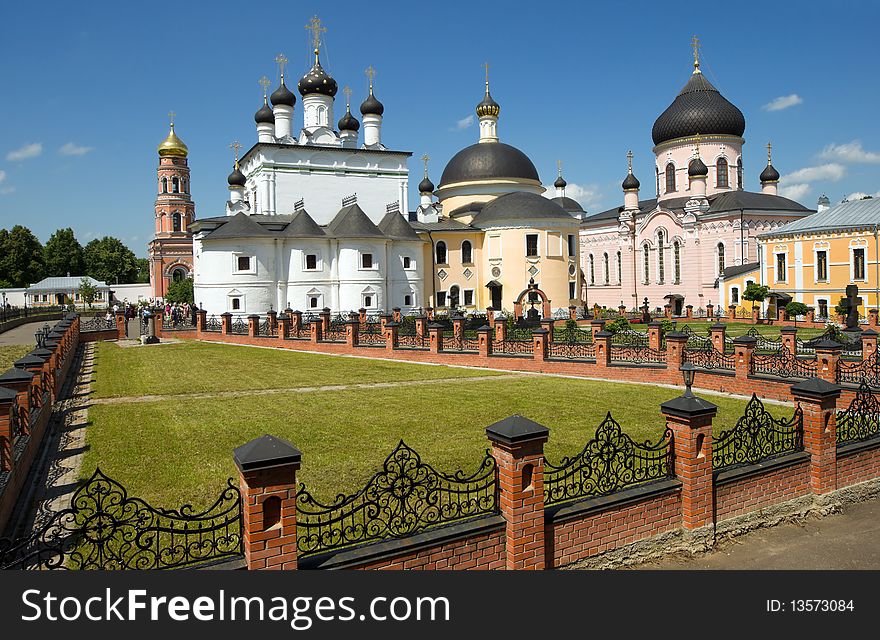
313 218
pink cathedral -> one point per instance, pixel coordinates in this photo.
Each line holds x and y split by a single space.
672 248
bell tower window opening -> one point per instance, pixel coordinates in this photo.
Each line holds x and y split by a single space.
592 270
175 185
619 268
670 178
676 262
739 173
441 252
720 258
164 185
176 222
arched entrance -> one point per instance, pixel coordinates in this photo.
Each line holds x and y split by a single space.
534 295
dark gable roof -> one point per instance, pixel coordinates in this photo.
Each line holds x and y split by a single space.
444 224
519 206
569 204
239 226
730 272
718 203
395 227
302 226
352 222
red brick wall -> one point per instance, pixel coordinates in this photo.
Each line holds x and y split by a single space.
858 467
97 336
483 551
579 538
761 490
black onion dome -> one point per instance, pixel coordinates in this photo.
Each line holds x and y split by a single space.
426 186
560 183
487 106
487 161
371 106
317 81
697 169
630 182
236 178
769 174
264 115
348 122
283 95
698 109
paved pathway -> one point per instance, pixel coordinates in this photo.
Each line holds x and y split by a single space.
846 540
23 334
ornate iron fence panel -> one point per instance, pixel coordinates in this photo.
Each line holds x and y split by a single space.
97 323
239 326
179 322
460 343
611 461
758 436
630 337
572 335
865 372
572 350
709 358
860 421
266 328
104 528
371 334
213 324
784 364
336 332
763 342
635 354
407 496
742 313
512 347
519 333
413 341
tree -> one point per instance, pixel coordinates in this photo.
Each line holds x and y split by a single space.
756 293
63 254
180 291
841 308
87 291
143 270
21 257
795 309
109 260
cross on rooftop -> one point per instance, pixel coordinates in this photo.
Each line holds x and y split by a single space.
235 146
629 160
281 59
171 115
695 44
264 82
371 73
425 159
347 92
315 27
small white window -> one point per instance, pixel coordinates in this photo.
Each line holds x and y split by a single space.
367 261
243 264
314 302
236 304
407 300
408 263
312 262
368 302
441 298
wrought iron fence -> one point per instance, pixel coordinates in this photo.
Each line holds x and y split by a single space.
104 528
513 347
239 326
407 496
630 337
865 372
371 334
636 354
96 323
764 343
709 358
758 436
860 421
572 335
460 343
336 332
572 350
783 364
179 322
611 461
213 324
267 328
695 340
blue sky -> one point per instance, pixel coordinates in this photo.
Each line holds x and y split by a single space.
87 87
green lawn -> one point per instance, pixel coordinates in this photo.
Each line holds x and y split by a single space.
11 353
204 367
175 451
736 329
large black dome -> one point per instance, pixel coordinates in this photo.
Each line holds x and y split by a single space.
317 81
698 109
486 161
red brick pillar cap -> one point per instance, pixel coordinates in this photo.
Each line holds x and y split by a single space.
392 324
827 345
542 330
326 310
395 308
747 340
30 360
254 315
265 452
869 333
597 322
486 329
516 429
45 354
816 388
227 313
688 406
721 325
655 323
436 325
676 335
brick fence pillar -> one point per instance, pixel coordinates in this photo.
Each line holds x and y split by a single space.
655 335
572 312
676 343
689 311
818 400
395 313
458 327
788 336
429 311
253 325
283 332
273 322
597 326
325 320
22 383
710 311
267 470
226 323
621 311
201 320
718 333
731 312
352 332
159 321
421 326
869 343
811 315
391 332
518 450
501 329
743 350
756 314
484 340
490 317
827 357
296 322
7 406
690 420
316 329
435 331
872 317
121 326
384 319
602 340
548 323
541 340
362 315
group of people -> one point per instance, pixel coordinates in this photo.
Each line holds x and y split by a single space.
177 313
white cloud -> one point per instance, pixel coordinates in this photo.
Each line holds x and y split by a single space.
860 195
464 123
849 152
783 102
794 191
830 171
2 175
71 149
587 195
25 152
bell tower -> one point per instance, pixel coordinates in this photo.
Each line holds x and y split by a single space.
171 249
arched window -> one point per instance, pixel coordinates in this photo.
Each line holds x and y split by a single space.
466 252
164 185
176 222
739 173
670 178
657 179
721 170
183 185
647 263
606 267
619 268
441 252
720 258
592 270
676 259
178 274
175 185
661 268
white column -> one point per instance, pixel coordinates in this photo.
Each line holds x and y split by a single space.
271 190
372 130
488 129
283 118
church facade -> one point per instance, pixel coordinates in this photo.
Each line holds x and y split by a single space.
673 248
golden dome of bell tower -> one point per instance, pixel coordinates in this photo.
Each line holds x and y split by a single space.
172 145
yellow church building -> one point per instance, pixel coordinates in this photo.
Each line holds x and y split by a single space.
812 260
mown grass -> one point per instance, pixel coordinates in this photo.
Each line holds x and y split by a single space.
736 329
10 353
189 367
171 452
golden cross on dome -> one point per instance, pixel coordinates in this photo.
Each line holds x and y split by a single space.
315 27
769 148
629 160
425 159
559 167
371 73
281 59
264 82
697 147
347 92
171 115
235 146
695 43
